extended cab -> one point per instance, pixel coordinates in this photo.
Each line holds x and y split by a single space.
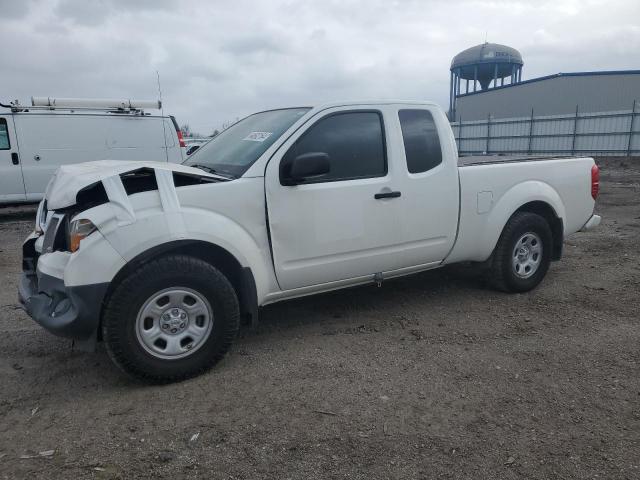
161 261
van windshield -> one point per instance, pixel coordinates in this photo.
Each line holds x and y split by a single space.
233 151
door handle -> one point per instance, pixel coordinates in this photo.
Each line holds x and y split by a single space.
380 195
15 159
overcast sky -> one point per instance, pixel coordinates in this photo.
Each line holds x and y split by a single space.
222 60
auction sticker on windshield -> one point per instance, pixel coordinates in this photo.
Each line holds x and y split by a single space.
257 136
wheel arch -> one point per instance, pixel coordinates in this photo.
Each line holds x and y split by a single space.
546 211
479 233
241 278
531 196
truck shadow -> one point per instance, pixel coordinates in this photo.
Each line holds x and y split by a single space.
352 310
394 298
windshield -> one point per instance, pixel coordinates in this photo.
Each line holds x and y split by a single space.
233 151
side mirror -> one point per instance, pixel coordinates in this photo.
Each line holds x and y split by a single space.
306 167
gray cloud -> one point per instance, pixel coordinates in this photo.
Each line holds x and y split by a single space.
222 60
265 42
12 9
92 13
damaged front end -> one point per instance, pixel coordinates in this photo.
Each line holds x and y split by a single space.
71 311
67 263
66 311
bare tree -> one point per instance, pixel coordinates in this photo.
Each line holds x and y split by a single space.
186 130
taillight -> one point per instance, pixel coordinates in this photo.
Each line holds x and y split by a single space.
181 139
595 181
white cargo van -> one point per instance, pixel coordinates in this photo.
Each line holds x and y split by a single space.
36 140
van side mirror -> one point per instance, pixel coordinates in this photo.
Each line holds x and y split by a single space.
192 149
306 167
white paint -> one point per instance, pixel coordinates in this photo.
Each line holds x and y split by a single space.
564 184
46 140
592 223
485 202
119 200
11 183
70 179
95 262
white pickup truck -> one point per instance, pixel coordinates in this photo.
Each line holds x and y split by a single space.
161 261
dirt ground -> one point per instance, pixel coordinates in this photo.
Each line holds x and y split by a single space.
431 376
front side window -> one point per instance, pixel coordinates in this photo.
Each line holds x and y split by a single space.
421 141
233 151
354 142
4 135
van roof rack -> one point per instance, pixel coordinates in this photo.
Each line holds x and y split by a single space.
128 106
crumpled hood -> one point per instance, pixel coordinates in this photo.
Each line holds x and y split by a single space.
70 179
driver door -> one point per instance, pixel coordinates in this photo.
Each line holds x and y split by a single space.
343 224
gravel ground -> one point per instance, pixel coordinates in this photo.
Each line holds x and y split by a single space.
432 376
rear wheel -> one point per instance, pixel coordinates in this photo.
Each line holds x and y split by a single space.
170 319
523 253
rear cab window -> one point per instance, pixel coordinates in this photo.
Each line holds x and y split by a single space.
4 135
421 140
354 142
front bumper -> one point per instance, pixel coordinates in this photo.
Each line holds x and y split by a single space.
72 312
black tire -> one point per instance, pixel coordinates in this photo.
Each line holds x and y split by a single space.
124 304
503 275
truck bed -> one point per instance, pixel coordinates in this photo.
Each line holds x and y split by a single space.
495 183
471 160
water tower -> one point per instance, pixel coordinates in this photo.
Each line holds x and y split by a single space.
484 65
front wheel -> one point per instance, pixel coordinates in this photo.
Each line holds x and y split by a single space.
170 319
523 253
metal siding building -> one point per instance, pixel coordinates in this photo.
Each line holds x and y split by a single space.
553 95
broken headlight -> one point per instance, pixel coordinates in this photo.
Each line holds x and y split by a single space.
78 231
